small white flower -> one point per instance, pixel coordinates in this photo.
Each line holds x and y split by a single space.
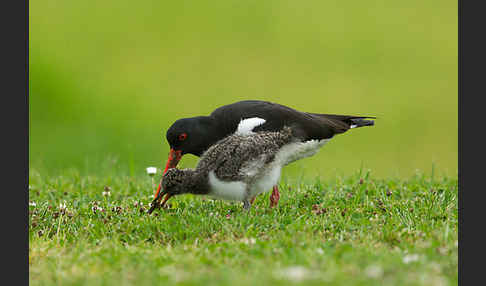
106 194
62 206
410 258
320 251
151 171
33 204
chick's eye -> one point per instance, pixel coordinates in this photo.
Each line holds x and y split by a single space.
182 137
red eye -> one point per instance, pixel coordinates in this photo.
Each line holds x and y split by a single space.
182 137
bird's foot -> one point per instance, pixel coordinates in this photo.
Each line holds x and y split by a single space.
274 197
246 205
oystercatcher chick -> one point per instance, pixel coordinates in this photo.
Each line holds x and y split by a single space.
240 166
196 134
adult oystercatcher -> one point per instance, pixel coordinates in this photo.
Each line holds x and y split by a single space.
196 134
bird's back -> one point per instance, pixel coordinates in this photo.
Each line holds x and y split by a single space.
239 157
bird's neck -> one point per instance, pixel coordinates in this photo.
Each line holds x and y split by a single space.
210 132
197 183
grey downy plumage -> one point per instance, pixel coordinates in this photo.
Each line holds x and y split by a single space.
240 166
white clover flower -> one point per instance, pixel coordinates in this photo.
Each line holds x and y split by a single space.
62 206
33 204
106 194
151 171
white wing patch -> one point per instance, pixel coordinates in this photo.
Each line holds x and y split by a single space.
246 126
353 126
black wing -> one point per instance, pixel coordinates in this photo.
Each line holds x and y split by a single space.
310 125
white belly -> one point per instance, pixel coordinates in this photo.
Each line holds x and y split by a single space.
266 181
234 191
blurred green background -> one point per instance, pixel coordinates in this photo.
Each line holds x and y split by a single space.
107 78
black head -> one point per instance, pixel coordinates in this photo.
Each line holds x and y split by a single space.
193 135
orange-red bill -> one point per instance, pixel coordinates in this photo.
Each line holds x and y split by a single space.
174 158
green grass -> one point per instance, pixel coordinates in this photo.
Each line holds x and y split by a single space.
353 230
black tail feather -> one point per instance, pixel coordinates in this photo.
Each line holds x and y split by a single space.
362 122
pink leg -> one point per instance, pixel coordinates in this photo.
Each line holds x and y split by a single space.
274 197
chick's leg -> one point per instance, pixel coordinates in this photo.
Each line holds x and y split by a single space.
274 197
